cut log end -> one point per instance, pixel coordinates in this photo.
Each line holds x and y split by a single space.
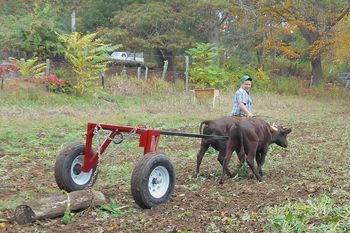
24 215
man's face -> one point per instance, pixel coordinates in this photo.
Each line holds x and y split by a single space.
246 85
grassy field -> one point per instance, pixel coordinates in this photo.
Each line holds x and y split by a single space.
305 187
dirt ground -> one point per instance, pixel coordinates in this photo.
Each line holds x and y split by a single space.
306 169
227 208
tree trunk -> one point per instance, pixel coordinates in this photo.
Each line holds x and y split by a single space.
259 39
316 70
55 206
159 58
213 38
169 56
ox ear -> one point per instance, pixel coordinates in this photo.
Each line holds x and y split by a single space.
286 130
273 129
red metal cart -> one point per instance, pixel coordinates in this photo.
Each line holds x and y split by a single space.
153 178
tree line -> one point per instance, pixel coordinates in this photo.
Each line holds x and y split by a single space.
266 35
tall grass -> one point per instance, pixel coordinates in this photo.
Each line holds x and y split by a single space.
286 85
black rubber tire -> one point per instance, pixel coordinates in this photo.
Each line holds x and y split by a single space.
63 167
141 175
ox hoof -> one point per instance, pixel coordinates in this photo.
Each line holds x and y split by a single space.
232 175
221 181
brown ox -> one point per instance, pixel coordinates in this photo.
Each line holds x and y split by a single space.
217 127
251 139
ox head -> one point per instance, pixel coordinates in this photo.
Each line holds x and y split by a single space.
279 135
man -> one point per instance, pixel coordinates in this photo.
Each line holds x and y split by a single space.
242 101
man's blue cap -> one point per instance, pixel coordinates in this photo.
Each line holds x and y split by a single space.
245 78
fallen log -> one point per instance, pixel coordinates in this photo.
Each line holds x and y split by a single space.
55 206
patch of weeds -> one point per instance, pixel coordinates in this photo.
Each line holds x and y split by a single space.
193 187
48 190
293 118
187 154
319 174
195 182
118 172
246 216
211 152
230 220
127 145
12 203
215 194
114 209
317 215
185 214
243 171
50 162
212 227
273 162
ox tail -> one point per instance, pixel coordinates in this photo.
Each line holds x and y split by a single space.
242 153
201 126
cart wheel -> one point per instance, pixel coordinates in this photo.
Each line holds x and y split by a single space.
153 180
68 166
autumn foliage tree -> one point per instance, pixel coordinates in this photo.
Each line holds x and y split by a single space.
314 20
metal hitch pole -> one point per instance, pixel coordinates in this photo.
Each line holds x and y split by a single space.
193 135
149 139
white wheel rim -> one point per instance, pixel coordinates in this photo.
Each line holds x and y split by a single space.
79 177
158 182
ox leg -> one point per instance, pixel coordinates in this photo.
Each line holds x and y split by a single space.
240 161
229 151
260 160
221 159
250 161
200 155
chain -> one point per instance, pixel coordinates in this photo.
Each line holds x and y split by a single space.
97 132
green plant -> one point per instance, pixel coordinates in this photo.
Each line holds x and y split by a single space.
317 215
205 71
31 27
57 85
88 55
31 68
63 73
236 70
68 215
115 209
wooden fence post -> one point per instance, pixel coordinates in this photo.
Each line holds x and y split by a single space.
186 72
47 70
73 21
138 72
165 67
146 73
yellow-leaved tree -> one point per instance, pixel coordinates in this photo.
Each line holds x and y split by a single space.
342 45
313 20
89 56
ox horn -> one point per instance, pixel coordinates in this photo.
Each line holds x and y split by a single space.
273 128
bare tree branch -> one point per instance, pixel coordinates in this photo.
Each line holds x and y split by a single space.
246 8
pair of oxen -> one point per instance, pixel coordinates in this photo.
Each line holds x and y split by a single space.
249 137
